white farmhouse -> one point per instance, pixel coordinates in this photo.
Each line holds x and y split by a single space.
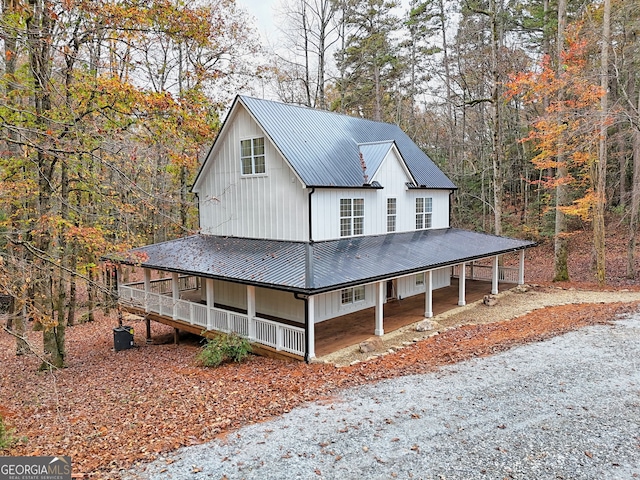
309 217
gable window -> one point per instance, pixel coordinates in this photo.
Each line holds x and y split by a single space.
351 216
352 295
252 156
423 213
391 214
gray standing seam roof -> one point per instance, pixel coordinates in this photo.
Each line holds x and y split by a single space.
323 147
336 263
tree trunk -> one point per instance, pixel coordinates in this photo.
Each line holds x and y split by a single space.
17 312
561 248
497 122
635 204
73 264
91 295
601 167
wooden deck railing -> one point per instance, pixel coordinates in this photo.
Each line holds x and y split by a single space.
276 335
485 272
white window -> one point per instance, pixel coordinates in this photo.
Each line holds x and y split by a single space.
351 216
352 295
391 214
252 156
420 279
423 213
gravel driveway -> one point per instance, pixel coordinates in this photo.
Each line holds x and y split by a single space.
567 408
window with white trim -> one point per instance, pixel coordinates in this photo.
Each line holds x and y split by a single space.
420 279
392 210
351 216
423 212
352 295
252 160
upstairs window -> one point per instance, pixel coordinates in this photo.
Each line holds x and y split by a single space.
391 214
423 213
351 216
252 156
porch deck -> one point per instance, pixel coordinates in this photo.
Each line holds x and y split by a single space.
347 330
275 337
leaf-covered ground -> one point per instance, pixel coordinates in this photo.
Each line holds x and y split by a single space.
110 409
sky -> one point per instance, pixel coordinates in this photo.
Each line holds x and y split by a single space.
263 12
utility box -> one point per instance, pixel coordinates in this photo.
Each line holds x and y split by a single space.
122 338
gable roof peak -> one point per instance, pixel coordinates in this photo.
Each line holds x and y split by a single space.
323 147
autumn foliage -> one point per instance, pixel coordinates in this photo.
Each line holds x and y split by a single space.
568 124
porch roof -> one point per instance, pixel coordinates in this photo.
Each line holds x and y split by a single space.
332 264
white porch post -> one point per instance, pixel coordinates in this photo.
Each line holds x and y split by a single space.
428 294
494 276
461 284
311 336
251 310
147 288
379 330
175 289
521 269
208 285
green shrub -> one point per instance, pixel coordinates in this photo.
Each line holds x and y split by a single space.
6 435
223 348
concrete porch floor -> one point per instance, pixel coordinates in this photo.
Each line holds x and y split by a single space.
347 330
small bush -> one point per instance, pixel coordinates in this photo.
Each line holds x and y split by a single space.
6 435
223 348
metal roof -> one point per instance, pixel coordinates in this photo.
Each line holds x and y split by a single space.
336 263
373 155
323 147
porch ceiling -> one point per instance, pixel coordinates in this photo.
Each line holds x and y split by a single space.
335 264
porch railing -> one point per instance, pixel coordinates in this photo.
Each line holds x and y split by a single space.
485 272
276 335
164 285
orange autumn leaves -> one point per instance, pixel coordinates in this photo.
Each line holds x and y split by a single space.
566 131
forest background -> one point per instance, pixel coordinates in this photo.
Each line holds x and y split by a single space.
108 108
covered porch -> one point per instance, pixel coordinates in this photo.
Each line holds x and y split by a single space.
181 301
349 330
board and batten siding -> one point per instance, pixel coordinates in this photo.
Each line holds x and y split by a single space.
270 302
407 285
393 178
284 305
329 305
272 205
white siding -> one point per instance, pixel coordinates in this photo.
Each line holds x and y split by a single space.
392 176
279 304
268 302
329 305
407 285
229 294
440 216
270 206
